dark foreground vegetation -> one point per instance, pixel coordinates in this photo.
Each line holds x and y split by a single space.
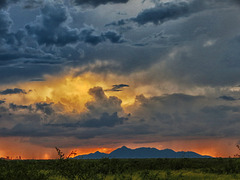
146 169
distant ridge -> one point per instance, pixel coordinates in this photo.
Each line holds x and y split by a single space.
141 153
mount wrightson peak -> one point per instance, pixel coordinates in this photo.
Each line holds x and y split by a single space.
142 153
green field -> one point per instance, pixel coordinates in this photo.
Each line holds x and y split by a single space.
120 169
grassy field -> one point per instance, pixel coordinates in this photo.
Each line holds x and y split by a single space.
120 169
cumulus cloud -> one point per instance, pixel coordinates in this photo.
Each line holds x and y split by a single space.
49 41
113 36
50 121
172 115
184 115
51 26
5 23
102 103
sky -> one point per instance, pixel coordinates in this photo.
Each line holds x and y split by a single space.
91 75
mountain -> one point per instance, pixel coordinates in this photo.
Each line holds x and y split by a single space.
141 153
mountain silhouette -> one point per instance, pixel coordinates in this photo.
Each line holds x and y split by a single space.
141 153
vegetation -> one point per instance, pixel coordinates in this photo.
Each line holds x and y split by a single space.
120 169
61 155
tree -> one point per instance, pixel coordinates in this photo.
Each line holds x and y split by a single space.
62 155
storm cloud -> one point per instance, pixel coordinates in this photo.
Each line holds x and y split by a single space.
117 87
178 62
228 98
15 107
45 108
49 27
91 36
13 91
163 12
102 103
95 3
104 120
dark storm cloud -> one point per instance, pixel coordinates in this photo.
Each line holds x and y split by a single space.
118 23
5 23
4 3
2 101
6 37
28 56
113 36
199 51
185 115
13 91
10 74
163 12
33 130
56 124
95 3
173 115
169 99
91 36
17 47
49 40
32 3
24 3
38 79
51 26
16 107
105 120
45 108
37 129
228 98
222 109
117 87
38 3
102 103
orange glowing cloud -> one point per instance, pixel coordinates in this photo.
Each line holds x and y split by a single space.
71 93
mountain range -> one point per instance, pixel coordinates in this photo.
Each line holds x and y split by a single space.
141 153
